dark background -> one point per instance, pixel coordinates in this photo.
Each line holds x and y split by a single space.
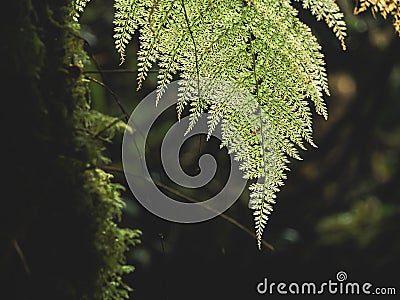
339 209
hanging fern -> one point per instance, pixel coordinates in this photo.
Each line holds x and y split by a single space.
79 7
261 47
384 7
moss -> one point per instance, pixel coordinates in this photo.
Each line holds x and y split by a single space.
62 240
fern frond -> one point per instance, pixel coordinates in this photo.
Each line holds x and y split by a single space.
384 7
128 15
264 49
79 7
253 66
329 11
262 208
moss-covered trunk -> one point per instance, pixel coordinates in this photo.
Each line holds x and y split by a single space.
58 236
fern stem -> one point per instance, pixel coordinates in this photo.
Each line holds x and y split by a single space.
113 94
194 45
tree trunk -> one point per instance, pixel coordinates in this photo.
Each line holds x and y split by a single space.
58 238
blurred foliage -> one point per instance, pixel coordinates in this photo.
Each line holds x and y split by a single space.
384 7
361 224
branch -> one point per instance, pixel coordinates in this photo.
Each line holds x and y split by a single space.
190 199
114 95
116 71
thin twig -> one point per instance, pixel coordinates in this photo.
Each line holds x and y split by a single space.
108 126
114 95
117 71
21 256
222 215
100 138
190 199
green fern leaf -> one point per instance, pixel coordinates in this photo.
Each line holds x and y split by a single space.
127 17
79 7
261 48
